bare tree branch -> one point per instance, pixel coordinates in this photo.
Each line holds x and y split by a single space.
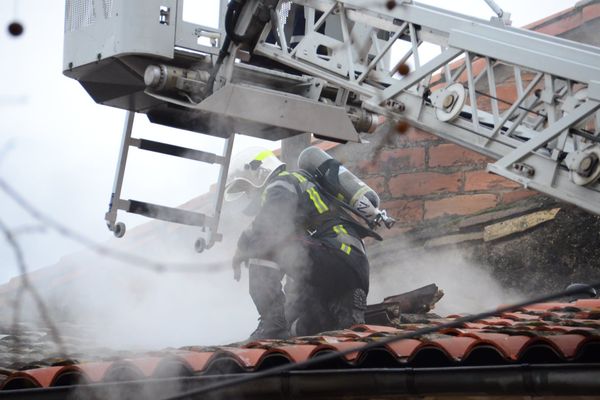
27 286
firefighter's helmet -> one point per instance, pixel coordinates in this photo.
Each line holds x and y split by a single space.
249 171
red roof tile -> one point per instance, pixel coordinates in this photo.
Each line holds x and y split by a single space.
455 347
248 358
567 345
296 352
40 377
536 333
342 346
588 303
93 372
403 348
509 346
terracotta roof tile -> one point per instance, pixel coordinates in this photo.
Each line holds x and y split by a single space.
196 360
342 346
40 377
375 329
567 345
548 307
248 358
497 321
296 352
93 372
509 346
456 347
542 333
403 348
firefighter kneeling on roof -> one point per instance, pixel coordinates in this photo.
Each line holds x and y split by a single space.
304 229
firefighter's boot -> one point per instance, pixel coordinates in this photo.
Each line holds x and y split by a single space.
266 292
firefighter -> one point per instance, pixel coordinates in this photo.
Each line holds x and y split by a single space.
300 232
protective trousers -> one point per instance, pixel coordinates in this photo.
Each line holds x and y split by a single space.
322 293
266 293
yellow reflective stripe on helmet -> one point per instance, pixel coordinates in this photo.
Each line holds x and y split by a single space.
299 176
340 229
345 248
264 154
283 173
316 199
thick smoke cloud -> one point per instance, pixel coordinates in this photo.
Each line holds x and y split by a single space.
468 288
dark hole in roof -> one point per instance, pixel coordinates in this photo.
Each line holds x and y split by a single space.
430 357
70 378
223 365
589 353
19 383
540 354
484 355
272 361
378 358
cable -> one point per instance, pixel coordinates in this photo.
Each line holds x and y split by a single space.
192 394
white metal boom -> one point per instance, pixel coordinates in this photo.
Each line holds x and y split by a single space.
546 138
330 67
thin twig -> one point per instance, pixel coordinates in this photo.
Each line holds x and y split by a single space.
27 286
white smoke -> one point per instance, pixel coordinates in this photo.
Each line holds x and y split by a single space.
121 306
125 306
468 288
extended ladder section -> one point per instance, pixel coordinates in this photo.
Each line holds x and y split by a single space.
528 100
208 223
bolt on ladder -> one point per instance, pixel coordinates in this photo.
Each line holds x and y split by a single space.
208 223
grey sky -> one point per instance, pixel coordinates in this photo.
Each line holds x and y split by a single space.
59 148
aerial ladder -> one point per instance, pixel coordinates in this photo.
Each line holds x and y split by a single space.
276 69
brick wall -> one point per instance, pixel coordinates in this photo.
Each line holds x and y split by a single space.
423 180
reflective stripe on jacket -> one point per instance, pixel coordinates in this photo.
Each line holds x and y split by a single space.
316 214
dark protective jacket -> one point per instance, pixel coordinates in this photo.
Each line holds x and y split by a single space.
294 207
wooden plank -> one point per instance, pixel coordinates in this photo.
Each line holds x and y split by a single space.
496 215
453 239
519 224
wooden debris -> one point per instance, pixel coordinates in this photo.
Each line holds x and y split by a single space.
453 239
519 224
388 312
494 216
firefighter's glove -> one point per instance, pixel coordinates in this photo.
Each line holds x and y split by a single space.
241 255
237 266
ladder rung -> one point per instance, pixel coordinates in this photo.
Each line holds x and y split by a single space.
177 151
168 214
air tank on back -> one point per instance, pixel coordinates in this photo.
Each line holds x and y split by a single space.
346 186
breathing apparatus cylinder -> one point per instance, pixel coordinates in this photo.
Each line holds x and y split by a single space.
343 184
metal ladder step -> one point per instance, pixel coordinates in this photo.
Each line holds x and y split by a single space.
168 214
177 151
208 223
